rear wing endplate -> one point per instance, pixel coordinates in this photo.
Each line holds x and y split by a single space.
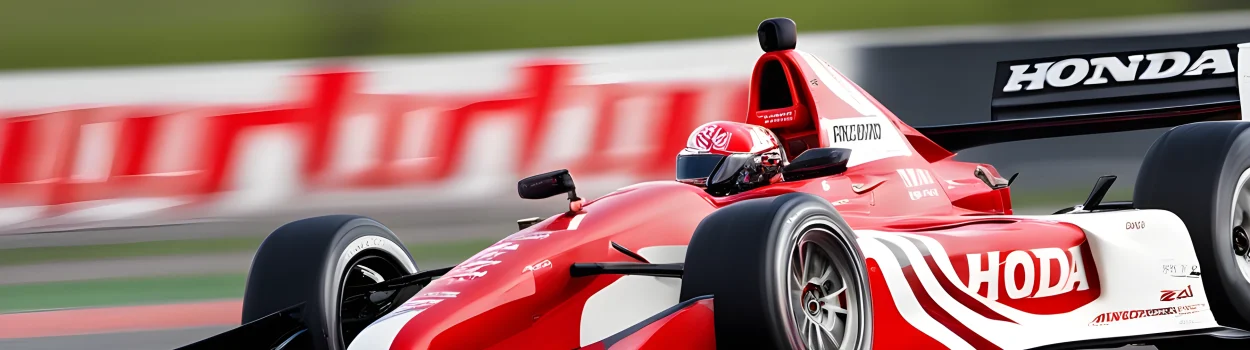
1101 93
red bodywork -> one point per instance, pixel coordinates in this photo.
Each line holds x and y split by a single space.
518 293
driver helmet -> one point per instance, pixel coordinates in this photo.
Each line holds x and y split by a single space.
728 157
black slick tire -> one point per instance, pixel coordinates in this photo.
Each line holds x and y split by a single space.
1193 172
305 261
739 254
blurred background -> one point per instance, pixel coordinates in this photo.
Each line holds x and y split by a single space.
146 147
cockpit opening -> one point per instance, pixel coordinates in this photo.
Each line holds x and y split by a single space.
780 104
775 90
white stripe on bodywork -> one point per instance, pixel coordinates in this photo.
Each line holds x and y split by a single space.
908 306
380 335
834 82
632 299
938 252
576 221
996 332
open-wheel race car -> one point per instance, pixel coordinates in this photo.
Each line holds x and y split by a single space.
822 221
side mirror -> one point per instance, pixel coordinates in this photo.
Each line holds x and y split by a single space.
817 162
549 184
546 185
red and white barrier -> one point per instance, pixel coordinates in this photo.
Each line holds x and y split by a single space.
438 130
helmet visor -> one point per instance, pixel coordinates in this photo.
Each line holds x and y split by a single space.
696 168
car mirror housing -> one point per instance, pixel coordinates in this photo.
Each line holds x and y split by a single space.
549 184
817 162
546 185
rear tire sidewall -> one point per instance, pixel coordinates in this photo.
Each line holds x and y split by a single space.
305 261
1193 172
741 254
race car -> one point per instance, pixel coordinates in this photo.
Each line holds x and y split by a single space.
822 221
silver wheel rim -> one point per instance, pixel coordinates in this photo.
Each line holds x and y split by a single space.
822 292
1240 220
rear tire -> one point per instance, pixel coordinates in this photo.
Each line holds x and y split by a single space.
1198 172
309 261
749 257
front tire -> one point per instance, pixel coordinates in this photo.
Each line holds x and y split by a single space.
784 272
1199 172
310 261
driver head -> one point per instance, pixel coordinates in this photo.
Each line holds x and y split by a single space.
728 157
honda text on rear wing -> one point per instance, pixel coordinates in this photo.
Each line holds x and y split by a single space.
1100 93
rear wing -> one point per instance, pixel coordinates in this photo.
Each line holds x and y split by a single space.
1101 93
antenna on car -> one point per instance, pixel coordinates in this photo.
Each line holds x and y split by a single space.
1100 190
630 253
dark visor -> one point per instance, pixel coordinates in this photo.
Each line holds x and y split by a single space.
697 166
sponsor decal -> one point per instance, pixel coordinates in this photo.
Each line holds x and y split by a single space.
1135 225
922 182
419 304
540 235
474 267
710 137
364 243
1117 316
778 117
439 295
840 202
854 132
1031 274
540 265
824 185
536 235
869 138
1117 69
1042 281
1171 268
1172 295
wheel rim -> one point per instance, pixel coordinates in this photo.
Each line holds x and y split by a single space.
823 293
1240 220
356 314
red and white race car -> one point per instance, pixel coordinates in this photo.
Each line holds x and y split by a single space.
822 221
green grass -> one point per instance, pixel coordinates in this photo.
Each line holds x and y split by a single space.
23 256
439 252
58 33
119 291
